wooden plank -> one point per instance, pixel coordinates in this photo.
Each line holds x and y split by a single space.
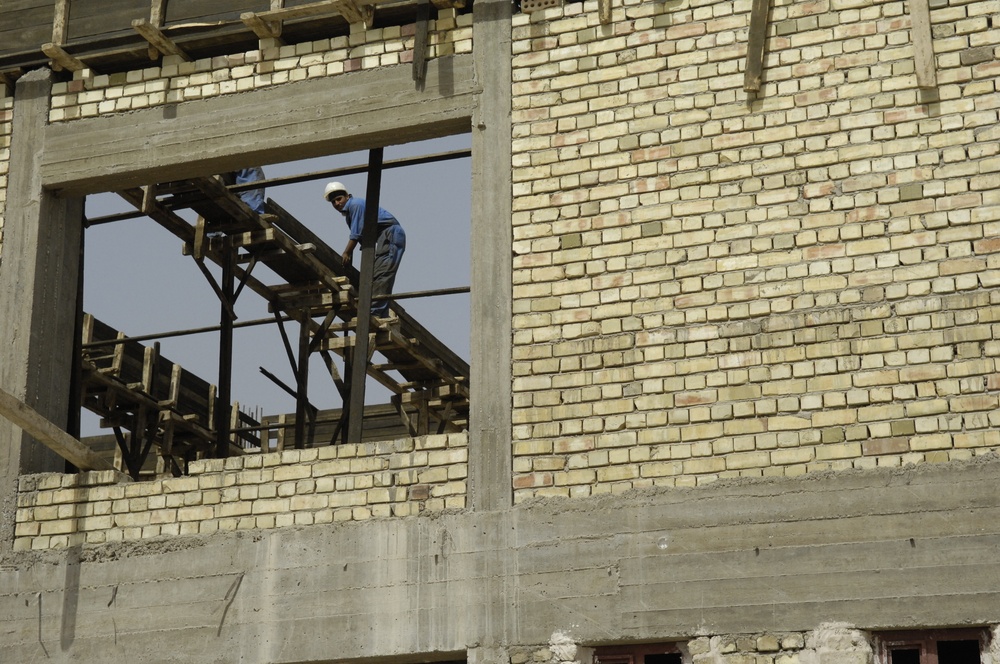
89 20
60 58
755 45
217 10
347 8
47 433
23 31
157 39
923 44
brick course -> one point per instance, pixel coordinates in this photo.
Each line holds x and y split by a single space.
295 487
176 80
6 126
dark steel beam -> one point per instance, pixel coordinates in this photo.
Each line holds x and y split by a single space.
225 380
369 235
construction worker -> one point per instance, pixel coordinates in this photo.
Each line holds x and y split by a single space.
252 197
389 247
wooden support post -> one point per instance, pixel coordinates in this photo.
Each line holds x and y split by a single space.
420 42
755 46
923 44
156 19
604 11
279 444
359 360
50 435
60 22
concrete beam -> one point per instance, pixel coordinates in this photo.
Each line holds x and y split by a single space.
39 269
876 549
293 121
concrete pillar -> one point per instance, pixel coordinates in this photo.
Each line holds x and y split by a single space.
38 289
490 470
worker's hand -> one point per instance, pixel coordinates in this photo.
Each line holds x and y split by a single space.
347 256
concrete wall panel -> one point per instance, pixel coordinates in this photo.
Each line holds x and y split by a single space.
421 586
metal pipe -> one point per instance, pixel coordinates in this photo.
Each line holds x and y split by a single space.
294 179
179 333
426 293
265 321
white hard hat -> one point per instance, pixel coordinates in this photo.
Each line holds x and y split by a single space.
332 188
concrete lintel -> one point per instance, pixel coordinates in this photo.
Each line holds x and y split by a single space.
293 121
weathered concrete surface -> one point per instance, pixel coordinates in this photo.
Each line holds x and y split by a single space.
491 241
38 295
293 121
874 549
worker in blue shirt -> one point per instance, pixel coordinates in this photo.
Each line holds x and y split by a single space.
389 247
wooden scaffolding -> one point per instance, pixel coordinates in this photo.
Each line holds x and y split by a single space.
162 404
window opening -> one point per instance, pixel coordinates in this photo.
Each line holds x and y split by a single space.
295 309
647 653
905 656
957 646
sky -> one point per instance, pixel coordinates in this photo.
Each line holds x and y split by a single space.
137 280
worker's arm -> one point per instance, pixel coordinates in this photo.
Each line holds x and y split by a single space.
349 251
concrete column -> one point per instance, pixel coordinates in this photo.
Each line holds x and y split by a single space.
490 471
38 289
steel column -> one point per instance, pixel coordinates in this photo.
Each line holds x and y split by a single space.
359 363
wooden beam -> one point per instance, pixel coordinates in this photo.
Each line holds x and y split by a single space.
47 433
755 45
263 29
156 18
420 43
923 44
604 11
157 39
60 22
354 11
61 59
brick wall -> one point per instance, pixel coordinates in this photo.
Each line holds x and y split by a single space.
709 285
89 95
295 487
6 124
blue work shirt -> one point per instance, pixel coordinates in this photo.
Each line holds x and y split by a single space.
354 215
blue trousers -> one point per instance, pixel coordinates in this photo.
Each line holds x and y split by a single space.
252 197
388 254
